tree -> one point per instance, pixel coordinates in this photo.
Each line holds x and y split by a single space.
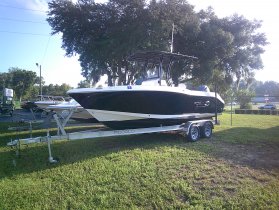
84 84
105 34
270 88
244 98
231 46
21 81
5 81
267 88
102 34
56 90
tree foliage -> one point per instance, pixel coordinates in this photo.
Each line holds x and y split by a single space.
230 46
20 80
5 81
244 98
84 84
270 88
26 84
56 90
104 34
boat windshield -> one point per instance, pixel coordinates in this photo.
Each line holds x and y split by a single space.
157 64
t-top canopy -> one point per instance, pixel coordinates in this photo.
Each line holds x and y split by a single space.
157 57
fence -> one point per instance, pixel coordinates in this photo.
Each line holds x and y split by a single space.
260 111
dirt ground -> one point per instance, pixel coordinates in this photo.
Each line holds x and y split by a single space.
263 156
19 115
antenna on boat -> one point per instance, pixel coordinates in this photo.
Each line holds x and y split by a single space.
171 47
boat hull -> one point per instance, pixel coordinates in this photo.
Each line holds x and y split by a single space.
134 107
44 104
124 120
79 113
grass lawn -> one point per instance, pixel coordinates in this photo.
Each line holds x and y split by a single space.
238 168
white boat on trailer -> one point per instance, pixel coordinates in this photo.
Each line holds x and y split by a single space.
145 105
46 101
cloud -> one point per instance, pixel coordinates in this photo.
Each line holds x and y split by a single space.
41 6
38 6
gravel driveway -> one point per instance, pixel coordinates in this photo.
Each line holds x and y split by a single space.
19 115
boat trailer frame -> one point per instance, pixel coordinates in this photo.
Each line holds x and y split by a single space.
193 130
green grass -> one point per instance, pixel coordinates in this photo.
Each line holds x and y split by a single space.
236 169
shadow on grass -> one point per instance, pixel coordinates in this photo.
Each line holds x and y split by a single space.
250 147
34 157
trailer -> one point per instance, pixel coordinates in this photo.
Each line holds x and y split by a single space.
193 131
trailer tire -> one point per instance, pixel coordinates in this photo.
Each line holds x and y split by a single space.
44 114
194 133
206 130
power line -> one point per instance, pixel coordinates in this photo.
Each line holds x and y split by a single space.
23 33
18 20
45 50
21 8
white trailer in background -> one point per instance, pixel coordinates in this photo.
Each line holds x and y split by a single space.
192 129
6 104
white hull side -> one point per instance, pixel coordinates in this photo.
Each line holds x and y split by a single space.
44 105
105 116
78 112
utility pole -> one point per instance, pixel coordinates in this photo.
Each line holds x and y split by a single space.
41 91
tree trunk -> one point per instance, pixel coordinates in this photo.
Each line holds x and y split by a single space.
109 78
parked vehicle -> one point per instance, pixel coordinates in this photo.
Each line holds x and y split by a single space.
268 106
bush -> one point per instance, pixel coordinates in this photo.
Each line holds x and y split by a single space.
246 106
244 97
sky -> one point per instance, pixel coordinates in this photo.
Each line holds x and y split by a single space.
265 10
25 37
25 40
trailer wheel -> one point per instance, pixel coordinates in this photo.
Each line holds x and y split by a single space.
44 114
206 130
194 133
